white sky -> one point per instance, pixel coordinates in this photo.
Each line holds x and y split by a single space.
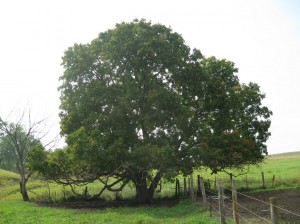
261 37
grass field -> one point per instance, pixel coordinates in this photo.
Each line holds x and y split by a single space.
184 212
285 167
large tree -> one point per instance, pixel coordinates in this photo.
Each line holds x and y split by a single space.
138 104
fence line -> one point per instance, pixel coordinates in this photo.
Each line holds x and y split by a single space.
217 197
219 214
248 181
250 197
253 213
245 219
287 211
267 203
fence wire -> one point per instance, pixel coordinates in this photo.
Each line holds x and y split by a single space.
213 196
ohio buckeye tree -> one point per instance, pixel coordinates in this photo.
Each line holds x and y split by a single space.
138 104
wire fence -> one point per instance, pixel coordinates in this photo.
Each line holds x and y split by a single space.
247 209
251 209
249 182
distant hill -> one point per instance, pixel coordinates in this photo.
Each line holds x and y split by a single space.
286 155
8 178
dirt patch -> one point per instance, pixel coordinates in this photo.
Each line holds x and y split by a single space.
101 204
255 205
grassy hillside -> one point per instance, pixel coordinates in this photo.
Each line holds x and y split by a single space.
285 167
287 155
8 178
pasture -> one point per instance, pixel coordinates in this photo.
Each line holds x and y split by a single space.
183 212
285 167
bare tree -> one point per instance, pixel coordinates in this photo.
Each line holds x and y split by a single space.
22 135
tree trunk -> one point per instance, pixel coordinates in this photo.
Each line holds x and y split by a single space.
154 184
144 195
23 190
23 183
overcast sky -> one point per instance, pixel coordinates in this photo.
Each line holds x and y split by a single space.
261 37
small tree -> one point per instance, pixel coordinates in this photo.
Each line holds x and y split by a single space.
20 139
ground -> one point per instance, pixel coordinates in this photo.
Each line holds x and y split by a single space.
257 203
100 204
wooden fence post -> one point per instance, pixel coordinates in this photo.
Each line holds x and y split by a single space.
86 192
198 183
263 180
215 185
221 203
274 210
176 188
192 187
184 187
210 207
234 203
203 192
273 181
189 186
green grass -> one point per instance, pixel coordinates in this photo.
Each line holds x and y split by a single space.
184 212
285 167
8 178
281 165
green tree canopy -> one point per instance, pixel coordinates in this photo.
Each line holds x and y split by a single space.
138 104
7 156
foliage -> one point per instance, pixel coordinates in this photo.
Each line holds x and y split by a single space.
137 104
7 156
